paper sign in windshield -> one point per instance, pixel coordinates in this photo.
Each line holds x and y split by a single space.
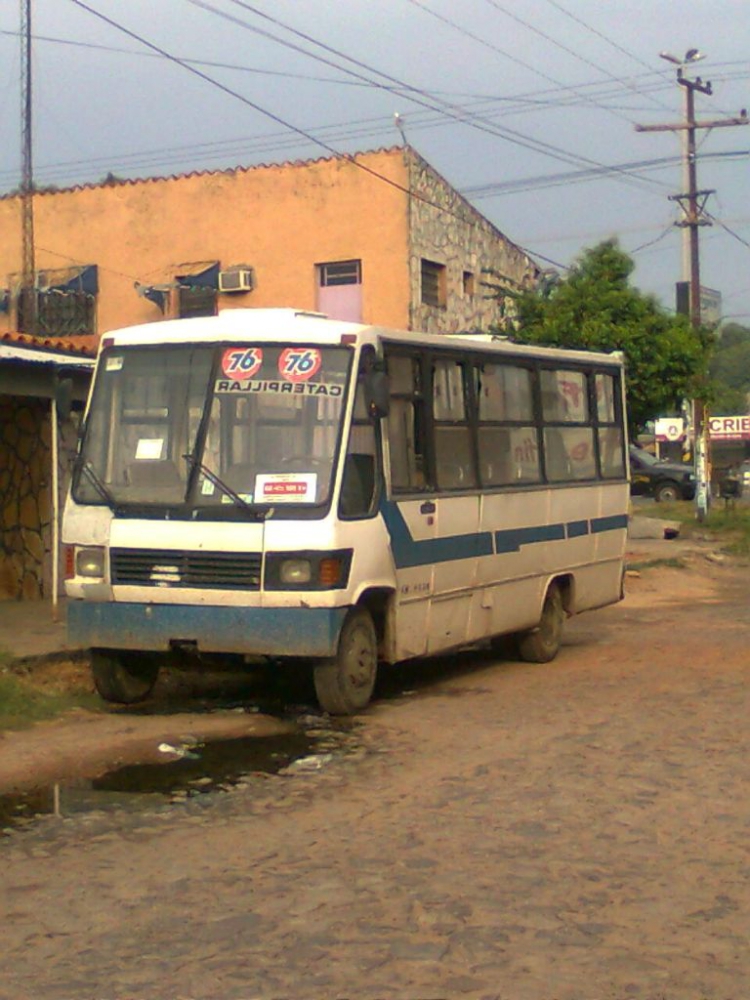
286 487
149 448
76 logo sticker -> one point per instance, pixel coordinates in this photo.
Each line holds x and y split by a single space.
241 362
298 364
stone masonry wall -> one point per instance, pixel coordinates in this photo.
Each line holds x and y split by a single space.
25 498
469 247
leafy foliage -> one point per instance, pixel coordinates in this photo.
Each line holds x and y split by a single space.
596 308
730 370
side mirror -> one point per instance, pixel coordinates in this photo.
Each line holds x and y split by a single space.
377 394
64 398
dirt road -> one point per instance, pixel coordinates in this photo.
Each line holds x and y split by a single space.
577 830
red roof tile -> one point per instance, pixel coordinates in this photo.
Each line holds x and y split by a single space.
83 344
240 169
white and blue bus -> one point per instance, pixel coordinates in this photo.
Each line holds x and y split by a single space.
273 483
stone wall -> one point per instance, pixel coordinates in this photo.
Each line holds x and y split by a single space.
473 252
25 497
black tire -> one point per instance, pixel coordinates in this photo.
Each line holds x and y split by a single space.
667 492
541 644
124 677
344 684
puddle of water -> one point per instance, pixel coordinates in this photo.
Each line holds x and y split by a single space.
210 767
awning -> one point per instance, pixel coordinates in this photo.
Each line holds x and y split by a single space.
206 277
82 279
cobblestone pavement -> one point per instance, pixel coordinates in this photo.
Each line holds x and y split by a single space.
577 830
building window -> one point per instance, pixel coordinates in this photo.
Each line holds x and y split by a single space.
469 283
339 290
197 291
433 284
196 302
62 305
341 272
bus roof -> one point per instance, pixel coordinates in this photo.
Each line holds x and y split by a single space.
284 325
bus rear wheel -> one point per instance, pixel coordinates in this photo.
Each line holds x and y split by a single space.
541 644
124 677
344 683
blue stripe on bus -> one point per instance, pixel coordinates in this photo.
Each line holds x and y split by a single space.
611 523
410 552
512 539
575 529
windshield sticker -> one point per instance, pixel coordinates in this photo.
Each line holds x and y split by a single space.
241 362
224 385
246 497
298 364
286 487
149 448
114 364
207 488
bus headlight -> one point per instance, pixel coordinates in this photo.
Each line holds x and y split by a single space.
307 570
90 562
295 571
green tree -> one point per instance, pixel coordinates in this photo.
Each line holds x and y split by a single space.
730 370
595 308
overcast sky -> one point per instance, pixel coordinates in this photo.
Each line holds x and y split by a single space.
528 107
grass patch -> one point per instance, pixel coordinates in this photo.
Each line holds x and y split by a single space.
26 699
656 564
727 527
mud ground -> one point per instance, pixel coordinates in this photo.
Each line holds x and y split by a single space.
577 830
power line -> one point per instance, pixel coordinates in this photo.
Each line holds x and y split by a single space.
576 176
731 232
515 59
605 38
556 43
424 124
269 114
553 180
212 64
414 94
669 229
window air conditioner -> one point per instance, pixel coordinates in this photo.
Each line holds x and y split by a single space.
240 279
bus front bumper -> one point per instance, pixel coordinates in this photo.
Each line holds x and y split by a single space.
303 632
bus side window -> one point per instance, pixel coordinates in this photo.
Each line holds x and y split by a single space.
406 424
452 432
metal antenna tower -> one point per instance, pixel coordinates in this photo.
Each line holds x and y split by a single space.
27 312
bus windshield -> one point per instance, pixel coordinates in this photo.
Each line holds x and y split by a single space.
213 425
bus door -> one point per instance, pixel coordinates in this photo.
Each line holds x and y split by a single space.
432 514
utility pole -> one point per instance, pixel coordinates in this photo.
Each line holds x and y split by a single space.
693 203
26 303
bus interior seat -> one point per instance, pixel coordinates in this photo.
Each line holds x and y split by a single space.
358 484
240 477
153 472
451 475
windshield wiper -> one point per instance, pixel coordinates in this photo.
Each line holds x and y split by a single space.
236 499
99 486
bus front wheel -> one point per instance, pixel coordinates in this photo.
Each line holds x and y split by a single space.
124 677
344 683
541 644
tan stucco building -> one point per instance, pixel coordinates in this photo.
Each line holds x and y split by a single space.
378 237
